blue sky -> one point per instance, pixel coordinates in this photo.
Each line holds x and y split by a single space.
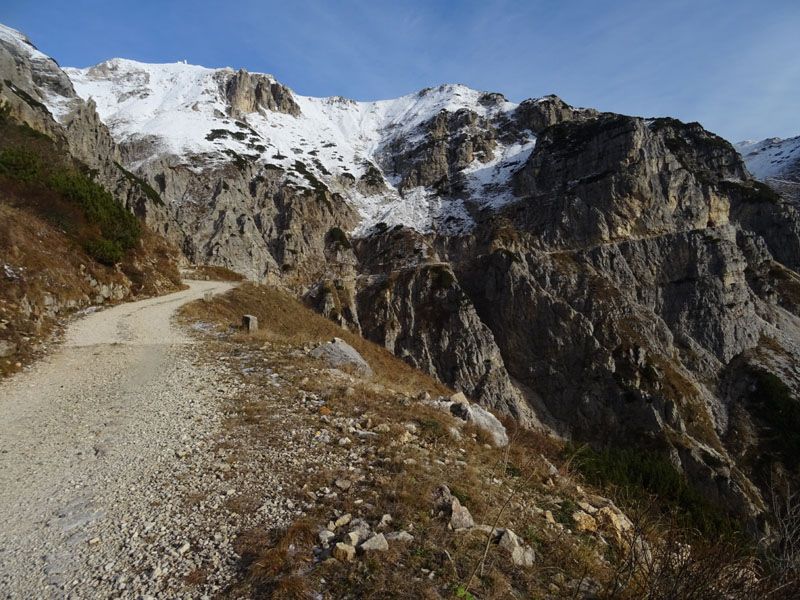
732 65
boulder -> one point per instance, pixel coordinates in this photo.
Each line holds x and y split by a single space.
399 536
441 498
377 543
249 323
615 522
326 536
460 517
343 520
480 417
7 348
338 353
522 555
459 397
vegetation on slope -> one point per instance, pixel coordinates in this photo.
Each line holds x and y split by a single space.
36 173
638 475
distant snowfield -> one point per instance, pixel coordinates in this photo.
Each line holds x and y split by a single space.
770 157
184 108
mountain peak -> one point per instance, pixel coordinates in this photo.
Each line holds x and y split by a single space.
189 111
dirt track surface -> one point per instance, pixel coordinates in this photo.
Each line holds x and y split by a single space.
88 438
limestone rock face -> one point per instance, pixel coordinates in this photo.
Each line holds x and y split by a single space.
246 219
452 141
249 93
421 313
615 178
41 94
537 114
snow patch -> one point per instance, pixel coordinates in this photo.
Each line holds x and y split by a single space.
771 157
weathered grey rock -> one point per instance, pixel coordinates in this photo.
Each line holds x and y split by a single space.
485 420
343 520
338 353
480 417
250 93
402 537
460 517
521 554
459 397
377 543
584 521
424 316
325 537
460 410
359 531
441 498
386 519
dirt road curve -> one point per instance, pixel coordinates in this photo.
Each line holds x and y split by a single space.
82 435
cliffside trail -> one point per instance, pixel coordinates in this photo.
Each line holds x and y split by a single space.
84 435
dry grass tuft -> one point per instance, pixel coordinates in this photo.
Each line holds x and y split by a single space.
291 587
275 560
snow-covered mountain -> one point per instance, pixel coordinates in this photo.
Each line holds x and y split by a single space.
772 158
205 115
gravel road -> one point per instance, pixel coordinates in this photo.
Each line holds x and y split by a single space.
91 440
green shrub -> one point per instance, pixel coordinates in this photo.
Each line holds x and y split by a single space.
756 192
216 134
372 176
637 472
104 251
116 224
21 164
238 160
64 192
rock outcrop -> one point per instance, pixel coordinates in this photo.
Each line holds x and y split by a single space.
248 93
